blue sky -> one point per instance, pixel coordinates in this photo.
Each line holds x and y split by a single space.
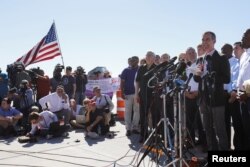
106 32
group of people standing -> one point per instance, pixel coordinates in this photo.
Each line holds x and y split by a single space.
219 93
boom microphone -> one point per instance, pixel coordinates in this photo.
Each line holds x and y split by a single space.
170 64
181 68
156 68
160 66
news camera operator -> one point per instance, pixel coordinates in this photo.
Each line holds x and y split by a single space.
81 81
212 72
26 100
17 73
57 77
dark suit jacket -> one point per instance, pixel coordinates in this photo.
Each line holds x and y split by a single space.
221 67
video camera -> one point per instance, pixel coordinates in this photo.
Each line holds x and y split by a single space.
59 68
80 71
12 70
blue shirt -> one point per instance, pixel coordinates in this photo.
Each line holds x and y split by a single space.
128 75
3 85
234 67
11 112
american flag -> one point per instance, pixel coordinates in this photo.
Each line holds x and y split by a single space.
46 49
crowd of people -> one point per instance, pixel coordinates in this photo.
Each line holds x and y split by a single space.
218 94
33 104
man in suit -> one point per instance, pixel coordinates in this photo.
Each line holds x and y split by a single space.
211 75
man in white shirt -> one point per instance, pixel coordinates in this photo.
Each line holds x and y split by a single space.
58 103
243 76
192 113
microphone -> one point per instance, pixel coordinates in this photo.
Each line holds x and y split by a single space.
181 68
170 64
153 70
189 78
209 63
160 66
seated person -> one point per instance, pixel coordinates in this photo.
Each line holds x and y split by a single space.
94 120
58 103
104 103
77 118
46 124
9 116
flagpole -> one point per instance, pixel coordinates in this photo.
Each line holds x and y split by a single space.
59 45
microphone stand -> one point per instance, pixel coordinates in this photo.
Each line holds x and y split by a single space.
154 141
178 136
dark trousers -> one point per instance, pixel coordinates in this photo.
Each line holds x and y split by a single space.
144 109
228 119
245 108
193 119
238 139
191 111
55 129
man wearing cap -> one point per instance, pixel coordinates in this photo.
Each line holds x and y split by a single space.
69 83
104 103
58 103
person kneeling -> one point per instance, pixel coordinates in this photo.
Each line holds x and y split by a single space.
46 124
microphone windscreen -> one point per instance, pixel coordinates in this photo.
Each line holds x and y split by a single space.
181 68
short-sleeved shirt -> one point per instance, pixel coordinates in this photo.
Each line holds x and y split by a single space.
11 112
68 81
128 75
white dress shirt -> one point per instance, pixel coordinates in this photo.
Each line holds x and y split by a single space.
54 102
193 85
244 72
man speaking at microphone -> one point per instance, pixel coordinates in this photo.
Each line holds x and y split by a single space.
211 76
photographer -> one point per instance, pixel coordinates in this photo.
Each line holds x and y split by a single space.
16 73
21 74
57 78
81 81
26 100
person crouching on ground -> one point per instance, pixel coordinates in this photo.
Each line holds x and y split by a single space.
8 118
46 124
94 120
